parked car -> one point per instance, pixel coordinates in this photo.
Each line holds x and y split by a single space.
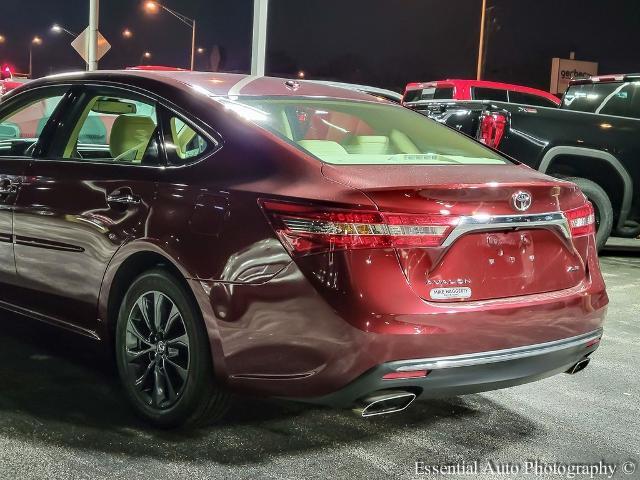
478 90
591 140
288 239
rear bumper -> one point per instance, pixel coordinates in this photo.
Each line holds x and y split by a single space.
470 373
293 337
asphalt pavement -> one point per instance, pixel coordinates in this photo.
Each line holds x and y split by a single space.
62 416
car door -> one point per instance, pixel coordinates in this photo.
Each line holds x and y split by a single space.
21 123
90 193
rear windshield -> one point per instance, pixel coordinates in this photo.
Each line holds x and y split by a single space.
345 132
610 98
429 93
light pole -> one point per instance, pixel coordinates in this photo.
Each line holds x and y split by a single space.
145 56
481 43
126 33
92 47
36 41
259 37
55 28
153 7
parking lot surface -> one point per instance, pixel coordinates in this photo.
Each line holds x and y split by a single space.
62 415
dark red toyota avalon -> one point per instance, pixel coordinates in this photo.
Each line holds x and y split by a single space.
225 233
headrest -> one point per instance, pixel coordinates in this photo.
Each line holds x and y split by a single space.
131 132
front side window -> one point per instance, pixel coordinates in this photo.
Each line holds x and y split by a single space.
20 128
114 129
530 99
347 132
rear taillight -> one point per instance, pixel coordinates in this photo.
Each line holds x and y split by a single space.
492 127
582 220
305 229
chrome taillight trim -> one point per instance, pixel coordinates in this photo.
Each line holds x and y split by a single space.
301 225
553 221
466 224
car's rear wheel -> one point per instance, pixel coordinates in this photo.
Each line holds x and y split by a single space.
163 354
601 206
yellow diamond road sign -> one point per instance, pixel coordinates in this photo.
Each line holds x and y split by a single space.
81 45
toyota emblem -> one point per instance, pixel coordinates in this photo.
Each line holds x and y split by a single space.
521 201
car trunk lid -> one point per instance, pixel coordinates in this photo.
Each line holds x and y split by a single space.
499 246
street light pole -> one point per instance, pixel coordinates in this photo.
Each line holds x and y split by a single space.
59 28
94 11
35 41
481 43
193 45
152 6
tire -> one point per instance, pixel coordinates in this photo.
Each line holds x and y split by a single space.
170 358
602 206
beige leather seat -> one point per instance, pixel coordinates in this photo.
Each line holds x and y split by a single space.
368 145
320 148
130 136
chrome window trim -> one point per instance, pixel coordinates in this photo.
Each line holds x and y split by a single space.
496 356
475 223
195 122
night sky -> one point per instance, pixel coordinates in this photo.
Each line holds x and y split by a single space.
380 42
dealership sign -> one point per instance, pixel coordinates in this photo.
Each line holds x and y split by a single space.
564 70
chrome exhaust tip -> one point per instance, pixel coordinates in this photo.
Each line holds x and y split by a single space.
384 402
581 365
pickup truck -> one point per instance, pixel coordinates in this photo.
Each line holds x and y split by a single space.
593 140
9 81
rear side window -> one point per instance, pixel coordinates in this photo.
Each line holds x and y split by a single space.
345 132
530 99
620 102
620 99
185 145
430 93
482 93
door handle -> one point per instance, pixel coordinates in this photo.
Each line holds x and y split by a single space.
123 198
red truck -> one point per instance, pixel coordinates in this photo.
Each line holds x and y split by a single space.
478 90
9 80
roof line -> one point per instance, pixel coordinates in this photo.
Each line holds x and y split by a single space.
235 90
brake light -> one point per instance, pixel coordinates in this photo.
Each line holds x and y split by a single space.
306 229
492 127
582 220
